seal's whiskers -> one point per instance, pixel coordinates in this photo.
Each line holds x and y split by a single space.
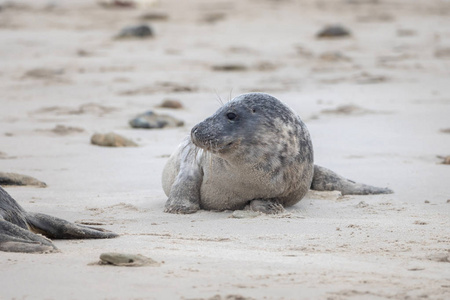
230 96
218 98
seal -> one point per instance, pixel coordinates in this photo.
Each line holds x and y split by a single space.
22 231
253 153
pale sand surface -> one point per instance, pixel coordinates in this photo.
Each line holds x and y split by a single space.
325 247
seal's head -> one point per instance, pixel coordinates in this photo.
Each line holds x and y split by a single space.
254 128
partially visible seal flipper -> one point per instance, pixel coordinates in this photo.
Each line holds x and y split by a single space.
16 239
18 229
269 206
326 180
184 196
56 228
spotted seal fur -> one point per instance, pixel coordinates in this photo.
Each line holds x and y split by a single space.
254 152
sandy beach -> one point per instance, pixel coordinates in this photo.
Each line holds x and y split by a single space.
376 102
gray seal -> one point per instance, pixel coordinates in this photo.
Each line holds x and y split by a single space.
22 231
253 153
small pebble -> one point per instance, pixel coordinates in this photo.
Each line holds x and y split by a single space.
229 68
442 52
426 201
334 31
140 31
406 32
416 269
171 103
43 73
126 260
365 78
117 3
82 52
420 222
440 257
213 17
333 56
154 16
151 120
111 140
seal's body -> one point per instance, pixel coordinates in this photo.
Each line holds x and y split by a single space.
254 152
22 231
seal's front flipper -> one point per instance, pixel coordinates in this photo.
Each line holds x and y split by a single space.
269 207
327 180
184 194
16 239
56 228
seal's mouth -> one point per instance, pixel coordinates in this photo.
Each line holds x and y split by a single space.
210 144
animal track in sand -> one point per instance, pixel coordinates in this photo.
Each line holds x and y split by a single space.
87 108
62 130
47 75
351 110
3 155
115 209
159 87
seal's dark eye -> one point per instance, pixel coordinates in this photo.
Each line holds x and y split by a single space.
231 116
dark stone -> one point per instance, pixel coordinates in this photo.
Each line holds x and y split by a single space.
111 140
171 103
140 31
333 31
126 260
151 120
230 68
155 16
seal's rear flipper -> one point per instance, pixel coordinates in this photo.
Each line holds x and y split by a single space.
56 228
268 206
327 180
16 239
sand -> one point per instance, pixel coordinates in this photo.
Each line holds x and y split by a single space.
375 104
